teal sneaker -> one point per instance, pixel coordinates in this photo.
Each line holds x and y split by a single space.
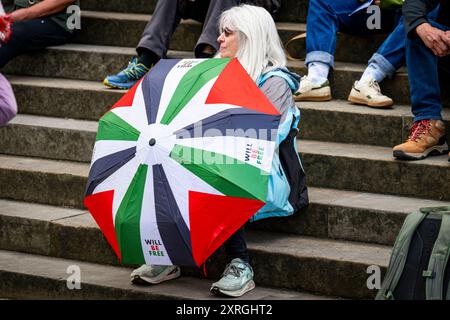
128 77
237 279
151 274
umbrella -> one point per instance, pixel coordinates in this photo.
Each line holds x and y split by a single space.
181 161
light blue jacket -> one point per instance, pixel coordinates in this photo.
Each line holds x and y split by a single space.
280 93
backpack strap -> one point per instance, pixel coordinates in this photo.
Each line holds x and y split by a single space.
439 259
287 47
399 254
448 292
276 73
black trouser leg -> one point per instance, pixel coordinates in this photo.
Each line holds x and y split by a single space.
32 35
236 247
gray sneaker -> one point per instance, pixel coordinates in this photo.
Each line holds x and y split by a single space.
237 279
150 274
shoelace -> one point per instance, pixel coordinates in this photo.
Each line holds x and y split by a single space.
374 85
233 270
134 70
418 129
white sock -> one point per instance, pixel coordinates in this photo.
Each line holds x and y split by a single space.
318 72
372 72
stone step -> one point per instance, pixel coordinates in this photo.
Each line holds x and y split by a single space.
48 137
328 165
291 10
349 215
64 98
71 139
373 169
62 183
341 121
77 61
125 30
334 214
59 183
324 266
93 63
27 276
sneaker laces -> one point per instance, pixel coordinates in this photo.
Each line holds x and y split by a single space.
135 70
418 129
375 85
233 270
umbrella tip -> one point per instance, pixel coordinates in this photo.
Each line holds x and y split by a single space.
152 142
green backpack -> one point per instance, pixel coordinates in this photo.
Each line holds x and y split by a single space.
438 268
391 4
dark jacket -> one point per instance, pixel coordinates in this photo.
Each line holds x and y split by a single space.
60 18
415 13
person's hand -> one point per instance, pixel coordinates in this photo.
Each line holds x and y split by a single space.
437 40
447 34
18 15
5 28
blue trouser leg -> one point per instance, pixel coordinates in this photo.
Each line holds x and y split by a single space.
423 74
391 54
327 17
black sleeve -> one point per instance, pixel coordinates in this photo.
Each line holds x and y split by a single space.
415 13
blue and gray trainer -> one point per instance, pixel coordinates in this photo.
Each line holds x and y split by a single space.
237 279
126 78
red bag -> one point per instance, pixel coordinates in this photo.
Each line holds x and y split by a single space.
5 28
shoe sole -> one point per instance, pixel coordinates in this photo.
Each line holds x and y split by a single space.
370 104
146 281
318 94
433 151
234 294
109 85
312 98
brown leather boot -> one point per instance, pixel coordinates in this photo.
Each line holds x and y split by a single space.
427 137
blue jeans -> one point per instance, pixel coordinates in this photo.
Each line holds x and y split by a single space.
424 70
327 17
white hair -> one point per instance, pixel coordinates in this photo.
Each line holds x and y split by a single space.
259 45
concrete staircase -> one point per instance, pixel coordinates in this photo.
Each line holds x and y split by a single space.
359 194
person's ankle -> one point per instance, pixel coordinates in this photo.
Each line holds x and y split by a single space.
205 51
147 57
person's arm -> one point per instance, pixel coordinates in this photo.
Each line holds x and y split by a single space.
41 9
415 13
8 104
416 23
436 39
279 93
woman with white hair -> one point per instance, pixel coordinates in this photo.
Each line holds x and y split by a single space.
249 33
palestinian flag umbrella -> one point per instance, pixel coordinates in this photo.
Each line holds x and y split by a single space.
171 178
